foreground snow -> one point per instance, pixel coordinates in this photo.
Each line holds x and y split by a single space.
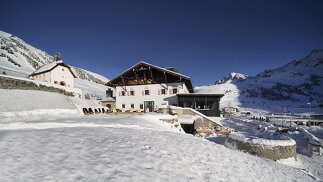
124 148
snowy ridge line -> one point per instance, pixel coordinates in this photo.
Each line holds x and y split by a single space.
284 141
49 125
39 112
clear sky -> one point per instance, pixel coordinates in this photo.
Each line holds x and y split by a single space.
205 40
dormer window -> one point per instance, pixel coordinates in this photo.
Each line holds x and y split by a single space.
123 93
63 69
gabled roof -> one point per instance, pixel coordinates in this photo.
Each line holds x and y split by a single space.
186 79
49 67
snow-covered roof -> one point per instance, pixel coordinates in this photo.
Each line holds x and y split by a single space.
50 66
184 77
154 66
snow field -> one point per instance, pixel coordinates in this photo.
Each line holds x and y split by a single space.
128 148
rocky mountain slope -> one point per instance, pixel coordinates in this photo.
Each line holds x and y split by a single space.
293 85
20 59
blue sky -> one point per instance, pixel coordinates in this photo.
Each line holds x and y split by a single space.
205 40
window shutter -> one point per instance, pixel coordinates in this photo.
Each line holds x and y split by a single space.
143 92
170 91
119 93
158 91
148 92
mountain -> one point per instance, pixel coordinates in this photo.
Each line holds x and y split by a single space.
290 86
232 76
20 59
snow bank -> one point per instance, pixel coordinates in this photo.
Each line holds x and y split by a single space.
31 104
39 112
282 141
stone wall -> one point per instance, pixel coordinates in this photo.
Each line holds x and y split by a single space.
201 124
11 83
265 151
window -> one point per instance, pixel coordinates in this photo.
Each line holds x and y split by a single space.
132 106
163 91
63 70
123 106
123 93
147 92
132 92
141 106
174 90
55 82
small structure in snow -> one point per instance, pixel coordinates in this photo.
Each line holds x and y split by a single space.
230 110
109 102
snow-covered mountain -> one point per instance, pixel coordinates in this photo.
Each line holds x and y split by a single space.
292 85
232 76
20 59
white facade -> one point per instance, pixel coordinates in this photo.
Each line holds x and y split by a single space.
160 94
60 75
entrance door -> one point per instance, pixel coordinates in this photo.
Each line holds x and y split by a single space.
149 105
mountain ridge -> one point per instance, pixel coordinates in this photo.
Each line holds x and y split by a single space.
293 85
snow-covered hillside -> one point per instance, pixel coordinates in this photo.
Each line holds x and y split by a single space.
18 58
292 85
56 146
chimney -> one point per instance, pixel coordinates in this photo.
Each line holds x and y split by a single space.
57 56
172 69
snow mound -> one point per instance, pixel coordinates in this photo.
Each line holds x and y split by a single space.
281 141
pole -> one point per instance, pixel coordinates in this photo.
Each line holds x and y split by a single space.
309 115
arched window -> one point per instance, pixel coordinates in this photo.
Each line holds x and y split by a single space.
62 83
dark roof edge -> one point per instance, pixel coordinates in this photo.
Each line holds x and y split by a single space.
59 64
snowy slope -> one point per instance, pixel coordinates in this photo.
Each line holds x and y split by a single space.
292 85
18 58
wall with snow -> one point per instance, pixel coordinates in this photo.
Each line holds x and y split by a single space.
266 148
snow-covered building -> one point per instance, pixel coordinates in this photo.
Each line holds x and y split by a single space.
56 72
149 87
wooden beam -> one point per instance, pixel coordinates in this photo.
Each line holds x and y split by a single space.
151 73
124 83
145 78
136 76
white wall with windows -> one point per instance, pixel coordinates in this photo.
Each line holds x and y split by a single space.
161 94
60 75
